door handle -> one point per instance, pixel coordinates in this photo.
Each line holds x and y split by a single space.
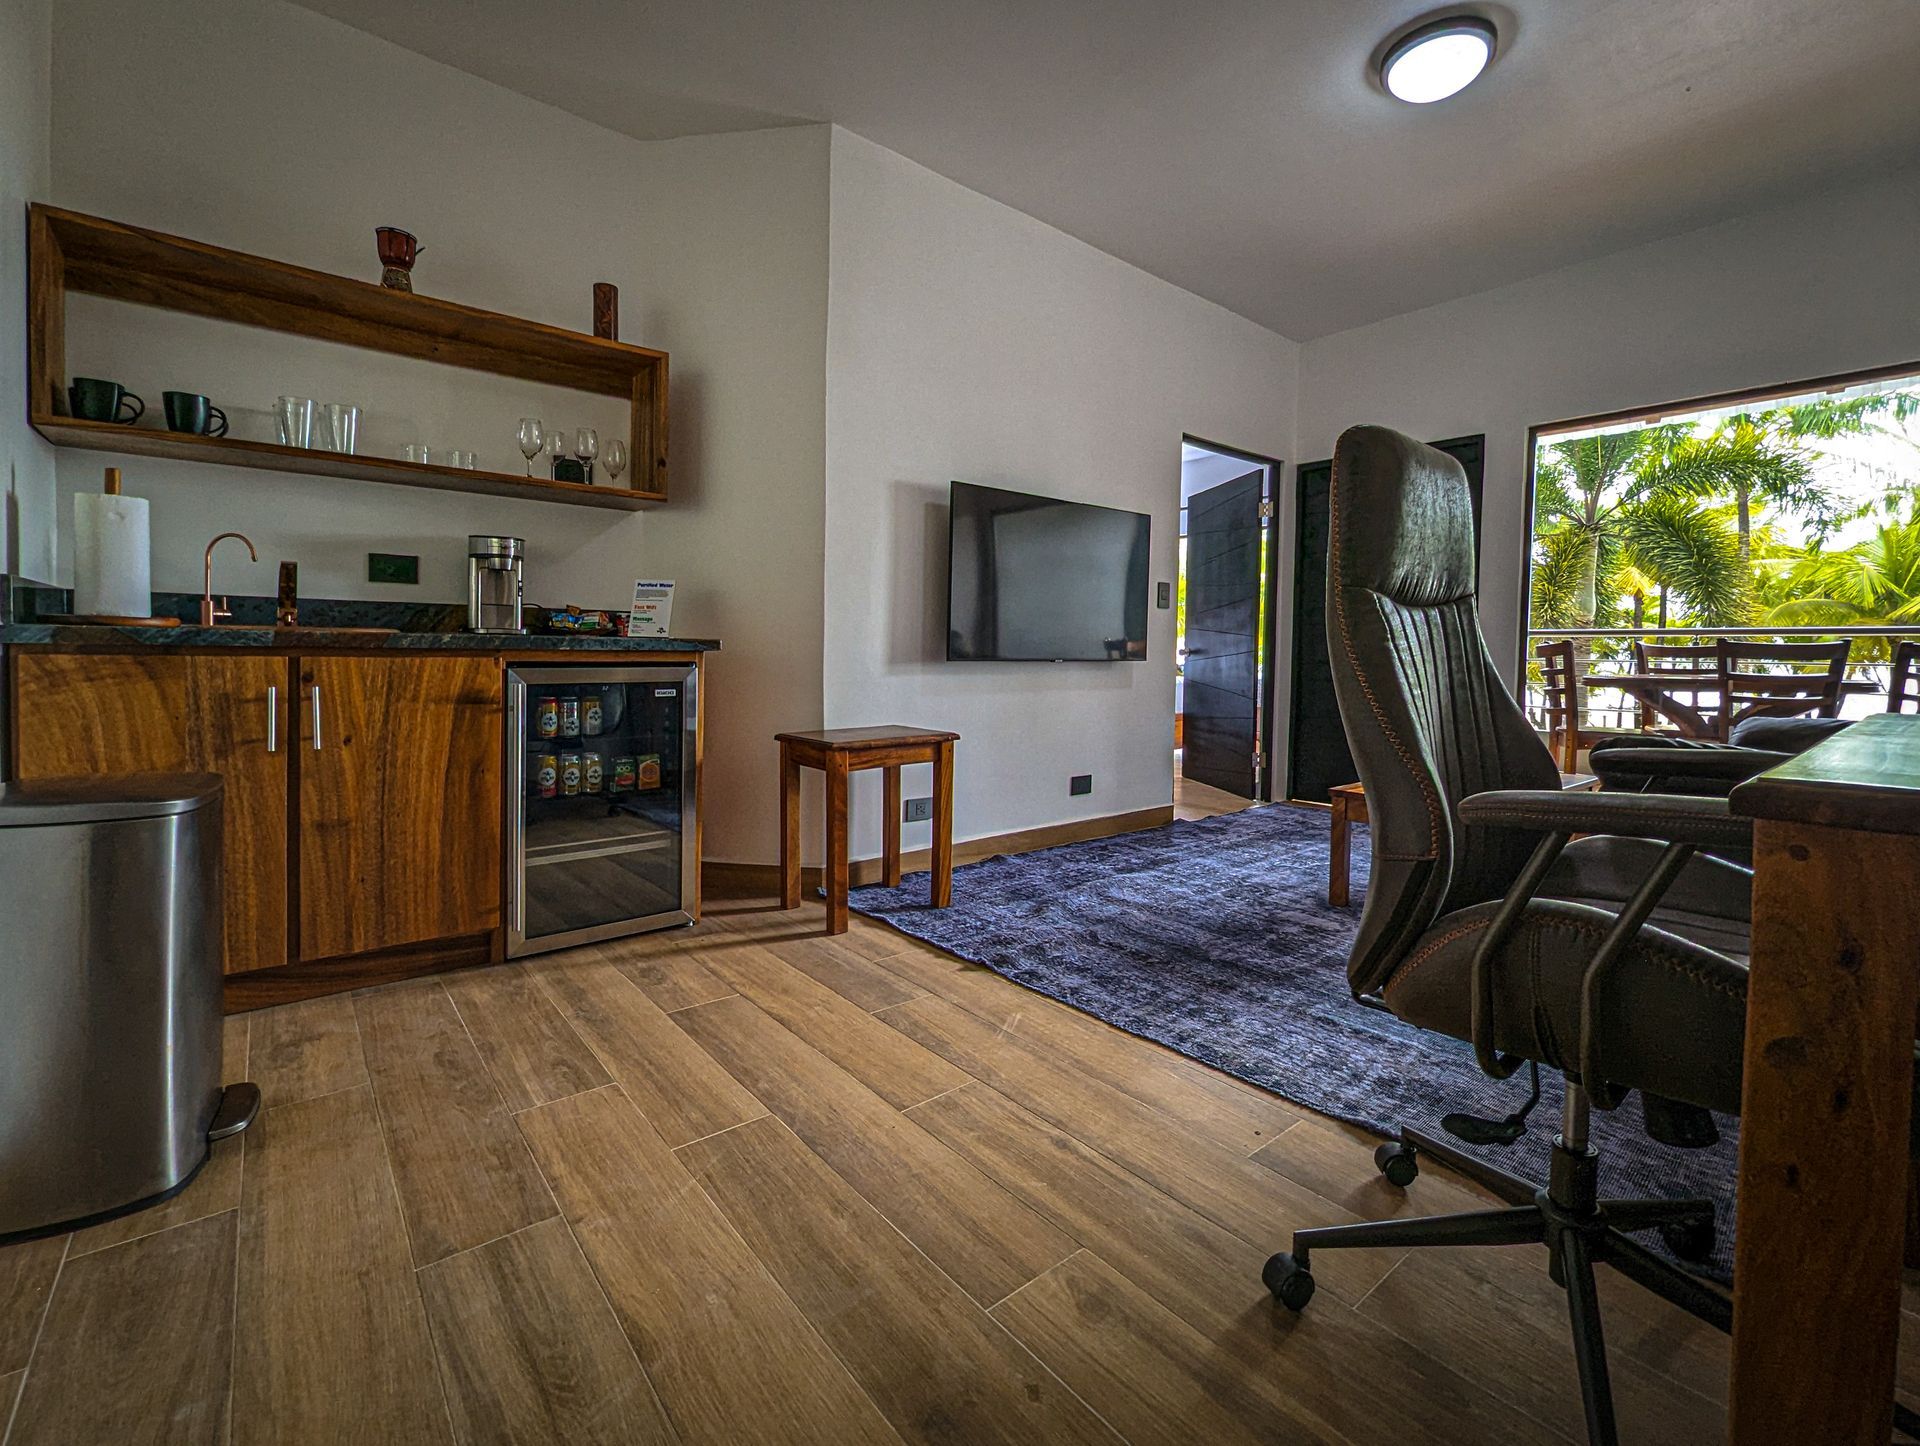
316 717
273 719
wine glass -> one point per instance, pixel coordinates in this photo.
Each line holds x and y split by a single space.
556 450
586 446
616 458
530 437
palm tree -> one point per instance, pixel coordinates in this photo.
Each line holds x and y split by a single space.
1632 500
1742 459
1876 582
1783 478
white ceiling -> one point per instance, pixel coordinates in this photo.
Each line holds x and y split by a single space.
1241 148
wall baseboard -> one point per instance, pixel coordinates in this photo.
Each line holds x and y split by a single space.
765 878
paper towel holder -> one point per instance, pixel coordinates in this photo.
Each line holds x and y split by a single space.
89 562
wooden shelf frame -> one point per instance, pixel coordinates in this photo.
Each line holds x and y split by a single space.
68 251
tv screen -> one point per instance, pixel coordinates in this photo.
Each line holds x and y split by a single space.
1038 579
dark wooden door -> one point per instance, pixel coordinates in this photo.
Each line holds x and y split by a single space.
1220 696
400 801
1316 740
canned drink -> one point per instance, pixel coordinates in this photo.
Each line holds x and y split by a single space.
592 771
546 717
623 776
546 774
570 717
569 774
592 714
647 774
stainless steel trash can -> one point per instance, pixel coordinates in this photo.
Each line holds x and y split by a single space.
110 932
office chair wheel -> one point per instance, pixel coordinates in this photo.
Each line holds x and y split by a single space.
1691 1240
1399 1163
1289 1280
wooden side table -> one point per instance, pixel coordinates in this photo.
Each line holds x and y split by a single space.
1350 807
839 753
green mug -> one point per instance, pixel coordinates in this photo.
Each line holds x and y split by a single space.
95 400
190 412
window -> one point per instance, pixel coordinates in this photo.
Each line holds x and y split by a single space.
1779 516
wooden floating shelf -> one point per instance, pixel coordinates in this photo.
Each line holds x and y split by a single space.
73 252
236 452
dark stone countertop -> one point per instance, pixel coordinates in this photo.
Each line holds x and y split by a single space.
189 635
331 623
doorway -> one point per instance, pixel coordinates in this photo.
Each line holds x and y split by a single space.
1223 620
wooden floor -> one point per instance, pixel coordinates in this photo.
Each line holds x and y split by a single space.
742 1183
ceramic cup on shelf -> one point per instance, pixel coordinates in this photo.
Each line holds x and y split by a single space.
97 400
192 413
293 421
339 429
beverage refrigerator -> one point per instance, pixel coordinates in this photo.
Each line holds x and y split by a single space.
600 802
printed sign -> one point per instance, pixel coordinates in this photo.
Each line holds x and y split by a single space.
652 613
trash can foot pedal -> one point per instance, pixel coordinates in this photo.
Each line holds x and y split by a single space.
239 1103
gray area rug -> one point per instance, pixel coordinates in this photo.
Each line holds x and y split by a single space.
1215 938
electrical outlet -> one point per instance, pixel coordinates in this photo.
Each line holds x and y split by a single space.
1080 783
392 567
1166 595
917 810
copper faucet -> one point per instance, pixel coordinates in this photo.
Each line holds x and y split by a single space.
209 614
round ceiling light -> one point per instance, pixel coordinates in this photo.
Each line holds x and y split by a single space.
1438 59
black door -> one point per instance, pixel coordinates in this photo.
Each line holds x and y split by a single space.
1219 701
1317 742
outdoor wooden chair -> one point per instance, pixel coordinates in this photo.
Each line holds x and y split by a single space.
1560 686
1809 682
1903 678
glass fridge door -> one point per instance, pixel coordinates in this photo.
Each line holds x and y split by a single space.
602 830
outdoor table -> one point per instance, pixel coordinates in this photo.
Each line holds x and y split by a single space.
1657 691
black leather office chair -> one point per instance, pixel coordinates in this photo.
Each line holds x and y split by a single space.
1618 959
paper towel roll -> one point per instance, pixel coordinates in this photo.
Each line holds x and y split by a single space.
112 574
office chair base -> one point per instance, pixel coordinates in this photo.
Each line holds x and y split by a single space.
1579 1229
1491 1178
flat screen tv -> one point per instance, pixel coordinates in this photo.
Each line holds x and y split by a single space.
1039 579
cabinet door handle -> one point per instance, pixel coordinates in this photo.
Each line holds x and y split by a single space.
316 717
273 719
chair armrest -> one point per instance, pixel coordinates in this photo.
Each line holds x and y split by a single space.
1732 763
1671 817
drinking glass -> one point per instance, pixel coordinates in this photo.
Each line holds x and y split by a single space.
464 460
339 427
586 446
531 436
293 419
419 452
616 458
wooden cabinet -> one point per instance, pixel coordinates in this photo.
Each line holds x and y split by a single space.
399 815
95 713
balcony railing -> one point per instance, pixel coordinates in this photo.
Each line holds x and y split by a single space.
1611 651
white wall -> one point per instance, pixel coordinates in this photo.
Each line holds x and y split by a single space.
258 125
1825 286
27 542
968 341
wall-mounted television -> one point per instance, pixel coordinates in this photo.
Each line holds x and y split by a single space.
1040 579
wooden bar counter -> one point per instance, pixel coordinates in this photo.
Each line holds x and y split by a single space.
1827 1089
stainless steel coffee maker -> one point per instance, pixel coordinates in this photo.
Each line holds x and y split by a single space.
494 584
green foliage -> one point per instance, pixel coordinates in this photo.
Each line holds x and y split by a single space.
1736 461
1558 558
1678 521
1875 582
1692 550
